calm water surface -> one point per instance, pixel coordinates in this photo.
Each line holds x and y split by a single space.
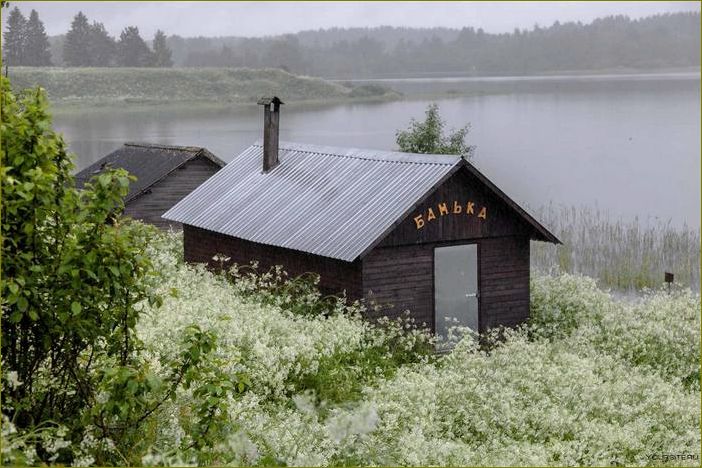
629 145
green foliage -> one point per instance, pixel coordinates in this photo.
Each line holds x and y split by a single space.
368 91
76 47
15 38
162 54
608 43
132 51
428 137
560 304
25 41
130 397
659 332
75 279
101 47
88 45
72 271
36 48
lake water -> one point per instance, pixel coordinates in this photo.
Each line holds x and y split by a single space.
628 144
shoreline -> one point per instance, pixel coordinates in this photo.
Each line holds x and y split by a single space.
218 89
613 72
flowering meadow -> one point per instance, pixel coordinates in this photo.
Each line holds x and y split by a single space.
591 381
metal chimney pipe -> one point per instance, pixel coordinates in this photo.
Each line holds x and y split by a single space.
271 130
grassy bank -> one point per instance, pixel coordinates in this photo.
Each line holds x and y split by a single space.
80 87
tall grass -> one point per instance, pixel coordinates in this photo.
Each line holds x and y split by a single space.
622 255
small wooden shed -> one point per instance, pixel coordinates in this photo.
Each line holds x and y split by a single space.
164 175
424 233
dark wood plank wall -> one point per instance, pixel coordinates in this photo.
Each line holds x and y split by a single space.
336 276
462 187
399 279
161 196
504 281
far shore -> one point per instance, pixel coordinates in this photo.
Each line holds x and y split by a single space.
78 90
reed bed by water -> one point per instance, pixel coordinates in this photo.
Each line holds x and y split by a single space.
622 255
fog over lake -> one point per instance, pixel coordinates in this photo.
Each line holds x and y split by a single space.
628 144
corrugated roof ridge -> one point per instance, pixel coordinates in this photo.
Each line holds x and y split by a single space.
367 158
189 149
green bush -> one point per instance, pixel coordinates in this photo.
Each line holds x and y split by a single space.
75 279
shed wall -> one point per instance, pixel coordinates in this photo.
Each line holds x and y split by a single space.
402 278
399 279
504 281
165 193
336 276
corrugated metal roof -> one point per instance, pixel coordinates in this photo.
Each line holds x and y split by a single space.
149 163
332 202
328 201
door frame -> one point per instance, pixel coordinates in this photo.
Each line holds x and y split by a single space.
475 242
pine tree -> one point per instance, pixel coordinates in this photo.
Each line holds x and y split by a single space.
102 46
162 54
132 51
15 38
76 48
37 52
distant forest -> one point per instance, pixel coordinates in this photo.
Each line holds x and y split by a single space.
610 43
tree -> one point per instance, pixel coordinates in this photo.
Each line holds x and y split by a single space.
102 46
15 38
37 42
76 48
162 54
428 137
132 51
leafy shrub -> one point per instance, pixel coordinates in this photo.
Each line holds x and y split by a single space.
72 271
75 279
428 136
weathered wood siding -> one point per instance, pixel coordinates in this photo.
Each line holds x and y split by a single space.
336 276
504 281
161 196
399 279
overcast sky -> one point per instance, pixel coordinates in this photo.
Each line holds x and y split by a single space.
270 18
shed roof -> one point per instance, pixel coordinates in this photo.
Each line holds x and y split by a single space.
148 162
328 201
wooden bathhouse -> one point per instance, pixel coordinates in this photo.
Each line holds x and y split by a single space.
424 233
164 175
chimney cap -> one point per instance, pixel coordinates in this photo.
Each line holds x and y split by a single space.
267 101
